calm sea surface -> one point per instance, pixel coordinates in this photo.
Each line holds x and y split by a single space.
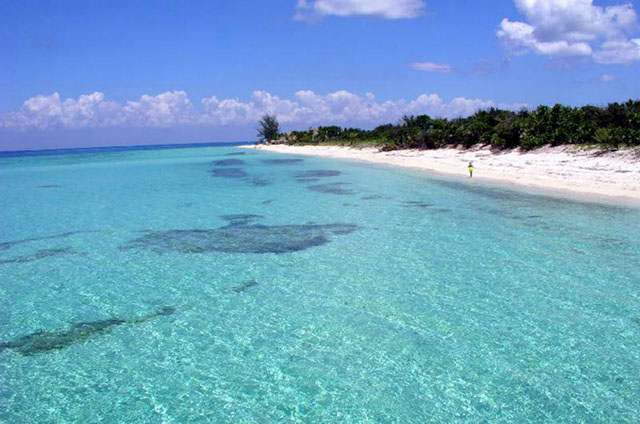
224 285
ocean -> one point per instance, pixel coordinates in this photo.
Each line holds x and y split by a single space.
213 284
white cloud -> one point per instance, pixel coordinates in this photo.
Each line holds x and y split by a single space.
523 34
168 109
574 28
607 77
432 67
387 9
171 108
174 108
619 51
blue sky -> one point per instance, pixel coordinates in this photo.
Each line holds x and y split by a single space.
85 73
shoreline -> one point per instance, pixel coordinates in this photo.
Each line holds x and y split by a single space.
583 174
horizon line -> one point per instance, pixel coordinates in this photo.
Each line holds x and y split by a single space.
118 147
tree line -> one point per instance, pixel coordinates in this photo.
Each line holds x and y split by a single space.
613 125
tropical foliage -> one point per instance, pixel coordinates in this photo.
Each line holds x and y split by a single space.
613 125
268 128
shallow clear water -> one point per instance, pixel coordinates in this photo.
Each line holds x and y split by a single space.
394 297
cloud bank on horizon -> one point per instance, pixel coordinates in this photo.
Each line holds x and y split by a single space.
574 28
174 108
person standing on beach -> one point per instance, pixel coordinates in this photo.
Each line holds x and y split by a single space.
470 169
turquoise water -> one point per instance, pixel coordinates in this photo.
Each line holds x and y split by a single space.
174 288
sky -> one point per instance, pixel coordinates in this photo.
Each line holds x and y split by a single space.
96 73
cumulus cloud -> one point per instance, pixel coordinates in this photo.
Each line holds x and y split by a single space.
387 9
174 109
619 51
168 109
579 28
432 67
92 110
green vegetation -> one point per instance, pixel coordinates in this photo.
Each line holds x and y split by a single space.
611 126
335 135
268 128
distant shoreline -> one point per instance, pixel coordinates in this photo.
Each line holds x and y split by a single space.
577 173
116 148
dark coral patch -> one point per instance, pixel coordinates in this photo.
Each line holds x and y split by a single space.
228 173
417 204
334 188
318 173
9 244
40 254
50 186
280 161
228 162
259 182
240 238
49 341
240 218
243 287
425 205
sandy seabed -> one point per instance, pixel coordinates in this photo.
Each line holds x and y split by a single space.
568 171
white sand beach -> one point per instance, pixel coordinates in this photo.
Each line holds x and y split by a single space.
569 171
